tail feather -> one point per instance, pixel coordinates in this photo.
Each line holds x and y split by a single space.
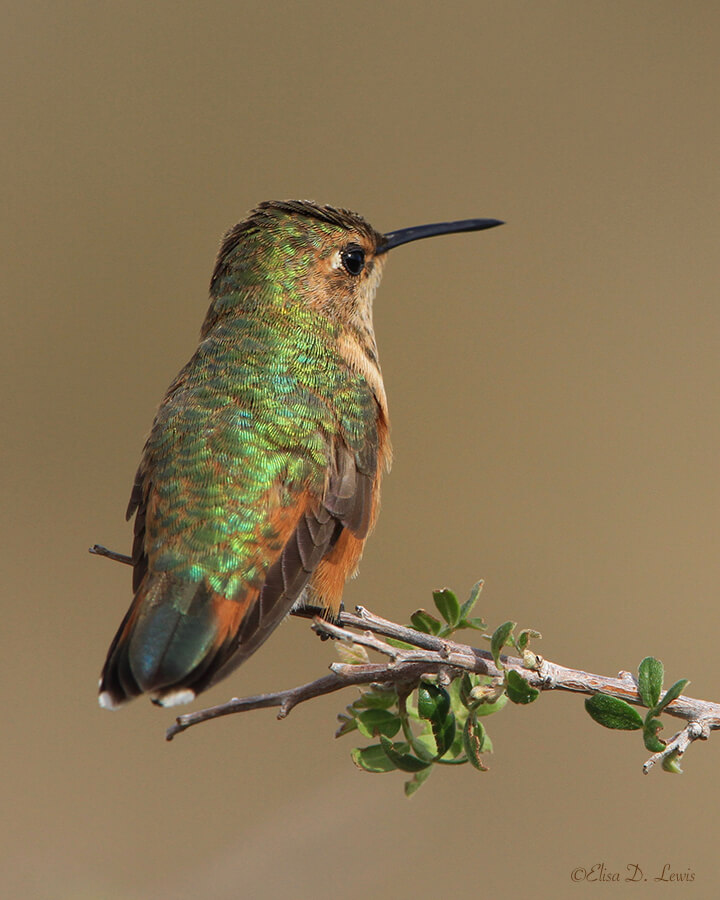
170 638
173 632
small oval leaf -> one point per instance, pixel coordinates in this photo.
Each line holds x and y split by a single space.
468 605
671 694
518 689
447 605
525 637
352 654
433 701
424 746
473 742
372 759
403 761
612 712
347 724
444 734
416 781
487 709
652 741
476 623
434 705
374 722
423 621
671 764
467 683
499 639
376 698
650 680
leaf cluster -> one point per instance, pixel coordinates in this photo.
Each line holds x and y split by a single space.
613 712
438 720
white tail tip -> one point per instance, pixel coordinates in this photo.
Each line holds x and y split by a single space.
176 698
106 701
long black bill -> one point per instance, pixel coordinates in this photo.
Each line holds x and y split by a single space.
404 235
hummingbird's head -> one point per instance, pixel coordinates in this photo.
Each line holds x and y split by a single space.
297 252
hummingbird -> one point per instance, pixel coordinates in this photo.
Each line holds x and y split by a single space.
260 479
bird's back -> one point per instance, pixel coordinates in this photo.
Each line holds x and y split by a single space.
264 451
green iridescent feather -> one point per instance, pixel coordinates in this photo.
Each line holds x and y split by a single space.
256 407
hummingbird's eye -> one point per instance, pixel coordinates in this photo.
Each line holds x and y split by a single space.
353 259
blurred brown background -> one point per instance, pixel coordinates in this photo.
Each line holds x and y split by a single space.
553 387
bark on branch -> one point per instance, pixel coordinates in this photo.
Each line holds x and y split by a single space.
441 656
433 655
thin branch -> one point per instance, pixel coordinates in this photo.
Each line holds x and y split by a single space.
342 676
433 655
429 654
693 731
99 550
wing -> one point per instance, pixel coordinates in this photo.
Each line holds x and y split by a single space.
320 553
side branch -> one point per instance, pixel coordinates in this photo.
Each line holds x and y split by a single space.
427 654
342 676
431 655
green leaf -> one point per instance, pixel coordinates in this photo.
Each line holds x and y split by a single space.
352 654
487 709
499 639
424 745
477 624
518 689
671 694
402 645
434 705
650 680
347 724
650 730
372 759
447 605
374 722
403 761
444 733
612 712
433 701
423 621
417 780
456 748
671 764
453 690
474 740
467 683
376 698
524 637
468 605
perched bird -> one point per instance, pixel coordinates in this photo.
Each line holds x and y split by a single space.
260 479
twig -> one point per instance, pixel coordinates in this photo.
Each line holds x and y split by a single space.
429 654
693 731
433 655
99 550
341 677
